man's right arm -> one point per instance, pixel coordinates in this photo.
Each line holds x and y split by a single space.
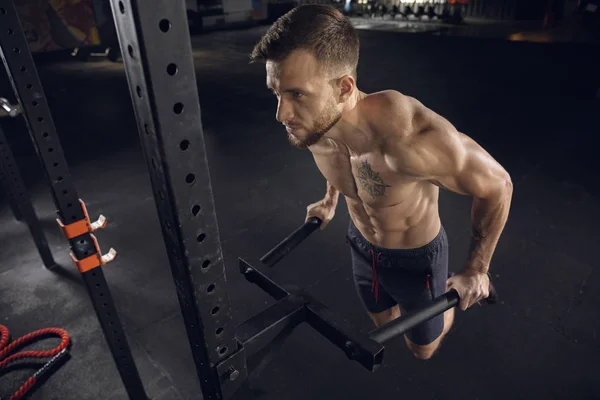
324 209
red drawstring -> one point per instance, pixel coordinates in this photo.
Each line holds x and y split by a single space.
56 353
375 277
427 281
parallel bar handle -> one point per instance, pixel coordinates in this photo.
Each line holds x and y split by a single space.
408 321
291 242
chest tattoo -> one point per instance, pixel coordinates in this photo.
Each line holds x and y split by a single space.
370 180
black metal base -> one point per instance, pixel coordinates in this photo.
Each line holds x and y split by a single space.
294 308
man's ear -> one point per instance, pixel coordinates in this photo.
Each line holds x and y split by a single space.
346 85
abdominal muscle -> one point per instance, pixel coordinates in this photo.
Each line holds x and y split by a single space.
411 224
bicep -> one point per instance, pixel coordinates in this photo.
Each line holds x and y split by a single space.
464 167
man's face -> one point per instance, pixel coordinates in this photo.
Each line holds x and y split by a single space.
307 104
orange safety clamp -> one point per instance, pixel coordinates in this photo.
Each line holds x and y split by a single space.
84 226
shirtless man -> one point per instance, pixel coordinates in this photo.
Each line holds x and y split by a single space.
388 155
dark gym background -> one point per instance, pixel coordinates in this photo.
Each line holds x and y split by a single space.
528 93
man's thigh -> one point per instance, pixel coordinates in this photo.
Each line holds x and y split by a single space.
413 282
376 301
391 282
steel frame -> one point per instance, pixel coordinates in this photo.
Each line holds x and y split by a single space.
16 194
72 214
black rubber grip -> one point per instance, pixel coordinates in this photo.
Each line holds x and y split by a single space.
415 317
291 242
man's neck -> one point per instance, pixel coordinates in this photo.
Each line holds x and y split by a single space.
347 132
353 101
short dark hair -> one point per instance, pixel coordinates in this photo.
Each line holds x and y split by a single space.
321 29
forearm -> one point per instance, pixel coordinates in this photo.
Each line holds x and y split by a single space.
488 217
332 194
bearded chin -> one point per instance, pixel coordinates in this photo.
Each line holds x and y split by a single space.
321 128
309 140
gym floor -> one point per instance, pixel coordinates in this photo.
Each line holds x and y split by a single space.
533 106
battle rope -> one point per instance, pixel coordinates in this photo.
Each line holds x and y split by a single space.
57 354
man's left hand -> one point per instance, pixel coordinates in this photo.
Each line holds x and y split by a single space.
472 286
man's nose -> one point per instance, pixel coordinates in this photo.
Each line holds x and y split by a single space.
284 112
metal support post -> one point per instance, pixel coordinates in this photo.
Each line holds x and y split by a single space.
12 202
156 47
19 200
7 109
7 190
73 217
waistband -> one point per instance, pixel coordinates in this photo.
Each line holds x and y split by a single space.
355 235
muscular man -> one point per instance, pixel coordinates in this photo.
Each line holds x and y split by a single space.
388 155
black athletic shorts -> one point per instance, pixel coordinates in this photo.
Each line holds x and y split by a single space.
407 277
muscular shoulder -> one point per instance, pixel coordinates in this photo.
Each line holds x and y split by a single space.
411 132
395 115
424 145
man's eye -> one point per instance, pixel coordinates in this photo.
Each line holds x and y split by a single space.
297 95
